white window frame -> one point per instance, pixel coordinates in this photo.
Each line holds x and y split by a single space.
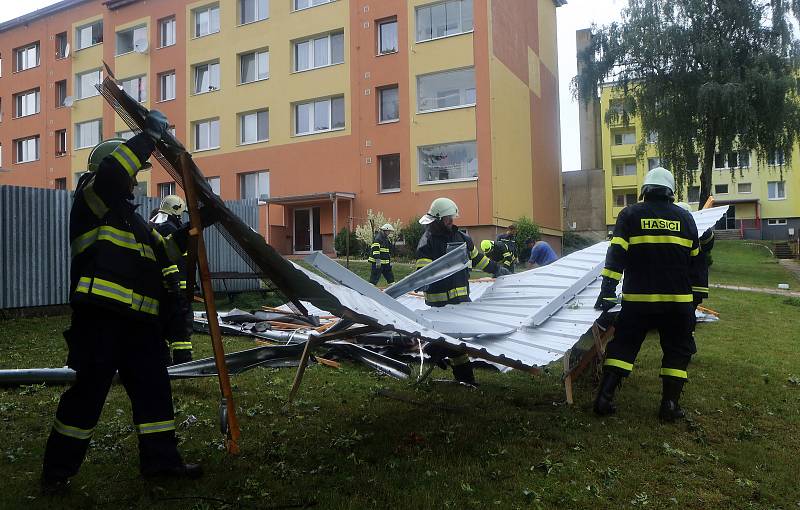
312 115
381 24
163 86
381 90
126 135
311 41
79 144
95 40
259 15
20 143
739 187
381 159
211 87
60 98
136 33
141 87
78 89
256 54
242 122
166 188
22 102
726 192
167 32
623 136
621 169
445 3
23 63
209 9
195 134
624 194
215 183
777 222
779 185
311 4
61 45
463 93
778 158
653 163
442 181
261 178
60 137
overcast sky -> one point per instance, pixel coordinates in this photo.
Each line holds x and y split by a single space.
573 16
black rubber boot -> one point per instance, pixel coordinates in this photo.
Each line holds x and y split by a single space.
181 356
54 485
604 402
463 373
670 411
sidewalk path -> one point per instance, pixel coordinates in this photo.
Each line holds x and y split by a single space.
776 292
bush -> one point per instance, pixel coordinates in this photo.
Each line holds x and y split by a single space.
375 220
526 229
412 233
357 248
574 242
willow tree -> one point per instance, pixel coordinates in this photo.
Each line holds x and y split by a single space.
705 76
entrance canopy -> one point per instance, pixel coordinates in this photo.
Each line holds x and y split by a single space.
310 215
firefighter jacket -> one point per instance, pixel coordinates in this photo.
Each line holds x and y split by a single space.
117 258
380 250
502 252
174 274
700 277
655 245
434 244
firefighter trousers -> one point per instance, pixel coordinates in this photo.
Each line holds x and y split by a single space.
385 270
675 328
100 345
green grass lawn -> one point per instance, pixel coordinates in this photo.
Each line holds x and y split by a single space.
747 264
512 443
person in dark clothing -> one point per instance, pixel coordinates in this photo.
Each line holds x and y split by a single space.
525 254
381 256
115 281
500 252
176 310
439 237
655 246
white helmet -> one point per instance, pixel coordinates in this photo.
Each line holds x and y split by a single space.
387 226
173 205
440 208
684 206
660 176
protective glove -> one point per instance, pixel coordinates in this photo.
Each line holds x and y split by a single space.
155 125
208 216
501 271
608 295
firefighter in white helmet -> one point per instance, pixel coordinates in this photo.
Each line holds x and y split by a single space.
655 246
176 312
381 255
441 233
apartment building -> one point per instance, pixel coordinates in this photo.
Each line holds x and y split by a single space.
321 109
763 199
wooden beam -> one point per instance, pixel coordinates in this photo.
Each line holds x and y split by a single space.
198 245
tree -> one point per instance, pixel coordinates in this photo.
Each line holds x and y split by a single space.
706 76
375 220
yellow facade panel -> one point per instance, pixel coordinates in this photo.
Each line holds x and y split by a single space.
548 49
512 170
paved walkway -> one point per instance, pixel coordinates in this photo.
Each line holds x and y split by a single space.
777 292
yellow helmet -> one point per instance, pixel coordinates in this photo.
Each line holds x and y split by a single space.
486 245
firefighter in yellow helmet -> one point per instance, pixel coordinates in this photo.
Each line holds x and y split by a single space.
176 312
499 251
381 255
440 235
115 284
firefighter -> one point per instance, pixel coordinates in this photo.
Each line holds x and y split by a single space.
500 252
654 245
441 235
381 256
510 238
115 282
176 310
